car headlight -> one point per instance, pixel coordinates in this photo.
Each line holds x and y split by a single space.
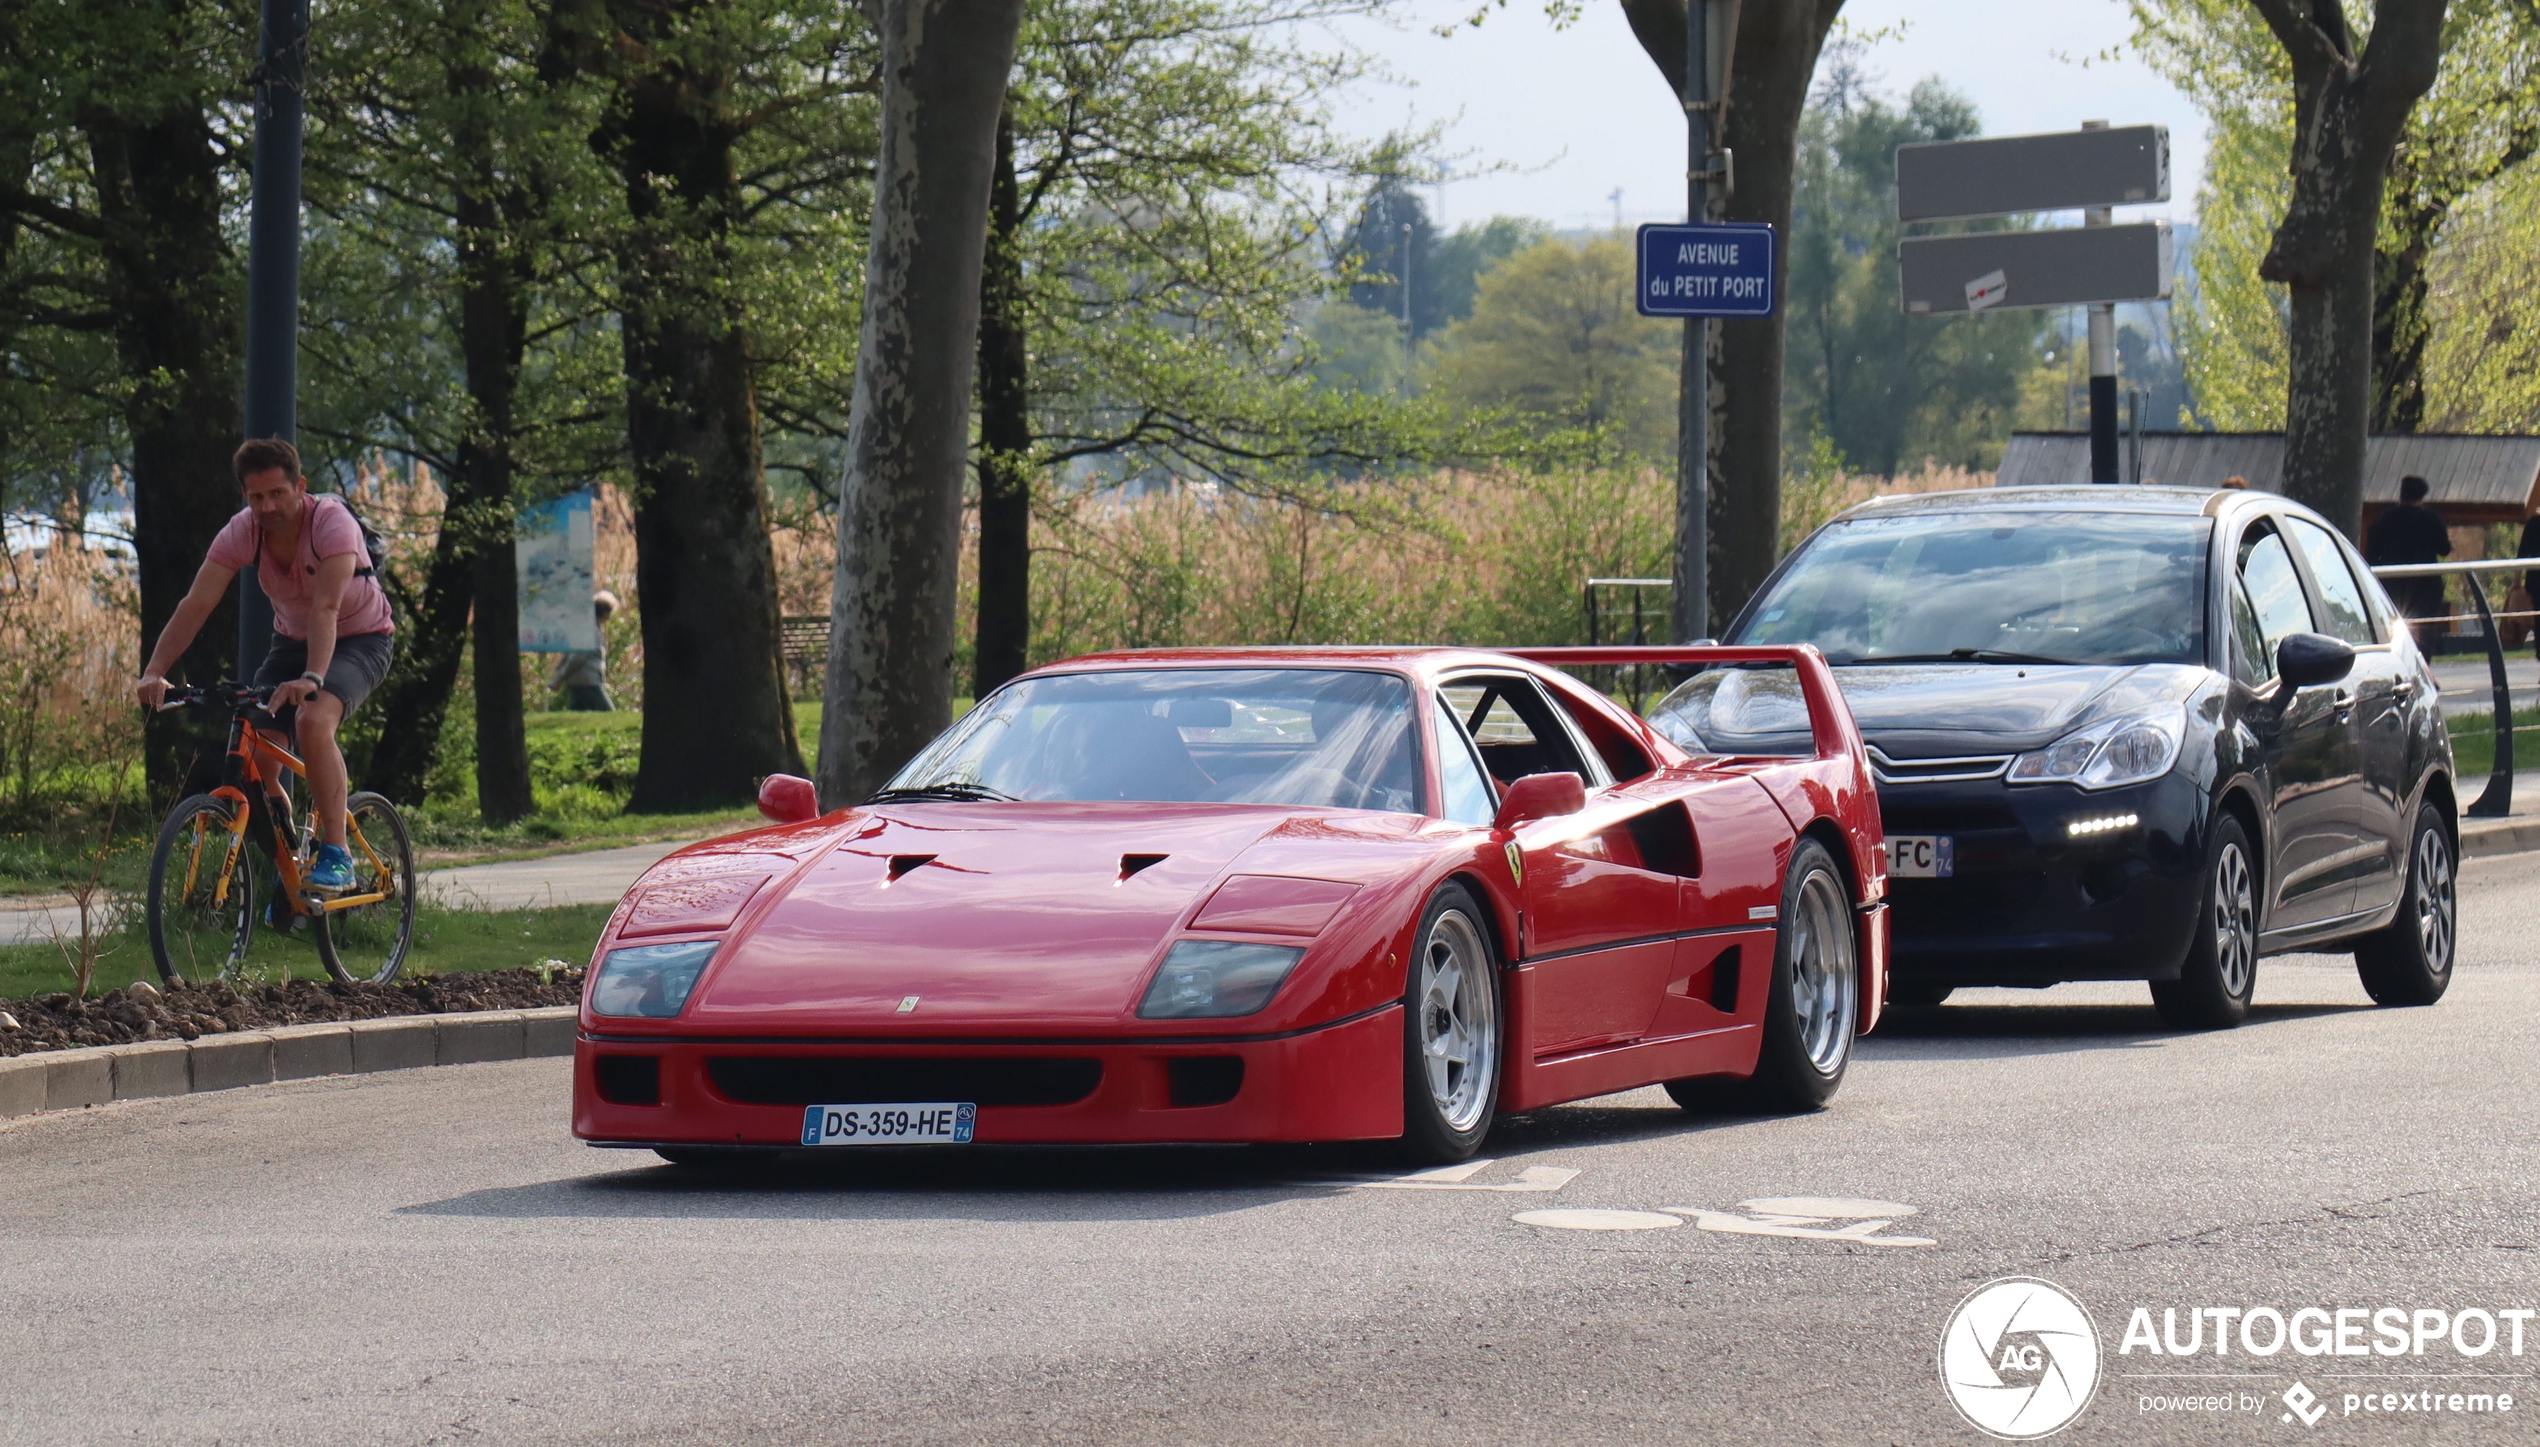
2106 755
651 981
1215 979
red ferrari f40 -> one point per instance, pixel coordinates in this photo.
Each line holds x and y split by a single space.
1257 894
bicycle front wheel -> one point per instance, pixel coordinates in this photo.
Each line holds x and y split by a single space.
202 900
365 943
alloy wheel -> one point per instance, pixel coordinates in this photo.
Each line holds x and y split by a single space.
2434 900
2235 922
1823 976
1459 1018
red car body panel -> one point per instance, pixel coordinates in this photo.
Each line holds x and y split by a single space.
1027 933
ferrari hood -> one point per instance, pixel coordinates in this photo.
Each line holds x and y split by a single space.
929 917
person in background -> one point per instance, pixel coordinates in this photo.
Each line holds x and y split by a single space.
2235 483
2531 581
2412 532
583 678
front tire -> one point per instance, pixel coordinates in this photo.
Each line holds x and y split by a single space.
202 899
1451 1033
2213 987
2409 960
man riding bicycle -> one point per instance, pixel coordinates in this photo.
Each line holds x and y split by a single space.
333 638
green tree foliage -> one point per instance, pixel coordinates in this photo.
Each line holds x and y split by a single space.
1890 392
2458 158
1555 344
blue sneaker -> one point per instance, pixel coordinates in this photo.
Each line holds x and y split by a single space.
333 871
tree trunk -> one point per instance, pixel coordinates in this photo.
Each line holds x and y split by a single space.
944 70
493 335
1769 75
2400 327
1004 630
2348 111
716 719
175 302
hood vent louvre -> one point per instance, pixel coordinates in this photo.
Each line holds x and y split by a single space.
1131 863
903 863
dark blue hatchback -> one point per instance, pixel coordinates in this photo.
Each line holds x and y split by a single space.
2120 733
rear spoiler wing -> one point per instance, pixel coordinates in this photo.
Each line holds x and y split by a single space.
1830 722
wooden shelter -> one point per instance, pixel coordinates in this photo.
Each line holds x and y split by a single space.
2476 479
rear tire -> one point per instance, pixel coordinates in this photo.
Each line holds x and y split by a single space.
2409 960
1451 1032
366 945
1812 1004
2213 987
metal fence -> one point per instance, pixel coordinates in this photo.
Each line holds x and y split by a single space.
2497 800
1621 610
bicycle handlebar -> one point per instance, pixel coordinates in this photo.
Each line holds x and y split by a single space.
219 695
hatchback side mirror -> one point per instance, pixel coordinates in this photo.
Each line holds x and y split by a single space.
2307 660
1540 796
788 798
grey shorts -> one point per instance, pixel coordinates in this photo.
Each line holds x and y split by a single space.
360 662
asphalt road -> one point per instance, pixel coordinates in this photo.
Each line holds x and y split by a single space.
427 1256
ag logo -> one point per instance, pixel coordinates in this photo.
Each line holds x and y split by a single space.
2019 1358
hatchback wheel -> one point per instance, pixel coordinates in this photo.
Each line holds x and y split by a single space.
2409 960
2221 971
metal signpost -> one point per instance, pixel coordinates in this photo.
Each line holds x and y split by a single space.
273 275
2096 265
1710 42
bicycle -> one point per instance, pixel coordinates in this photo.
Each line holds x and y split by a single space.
203 875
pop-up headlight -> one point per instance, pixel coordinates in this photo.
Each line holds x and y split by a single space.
651 981
1216 979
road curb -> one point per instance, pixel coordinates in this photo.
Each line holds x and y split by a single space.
2480 837
50 1080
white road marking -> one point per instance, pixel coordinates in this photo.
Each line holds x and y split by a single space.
1459 1178
1814 1225
1597 1220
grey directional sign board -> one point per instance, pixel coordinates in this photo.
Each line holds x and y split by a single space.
2005 175
2073 266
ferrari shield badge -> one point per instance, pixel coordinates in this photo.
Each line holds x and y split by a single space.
1516 863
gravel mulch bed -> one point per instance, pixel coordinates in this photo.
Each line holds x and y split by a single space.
188 1012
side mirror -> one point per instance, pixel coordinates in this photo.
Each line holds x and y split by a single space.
2307 660
1540 796
788 798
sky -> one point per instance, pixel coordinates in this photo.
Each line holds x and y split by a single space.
1570 116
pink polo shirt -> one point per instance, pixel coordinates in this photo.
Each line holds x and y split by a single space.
327 530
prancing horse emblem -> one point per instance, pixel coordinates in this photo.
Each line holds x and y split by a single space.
907 1003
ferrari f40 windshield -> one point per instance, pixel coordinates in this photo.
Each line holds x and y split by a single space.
1306 737
2006 587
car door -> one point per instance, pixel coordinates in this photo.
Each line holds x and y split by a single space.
1600 922
2377 694
2304 740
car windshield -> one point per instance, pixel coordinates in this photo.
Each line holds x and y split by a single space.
1305 737
1997 587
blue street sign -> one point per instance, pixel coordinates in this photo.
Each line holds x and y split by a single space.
1721 270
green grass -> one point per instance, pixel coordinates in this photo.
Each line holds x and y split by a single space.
2474 741
446 941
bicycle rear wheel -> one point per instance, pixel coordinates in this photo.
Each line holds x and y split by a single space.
202 900
366 943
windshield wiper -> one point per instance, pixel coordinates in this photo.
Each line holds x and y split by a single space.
1961 655
951 790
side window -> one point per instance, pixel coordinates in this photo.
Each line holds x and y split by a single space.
2249 642
1468 797
2275 593
2348 618
1516 729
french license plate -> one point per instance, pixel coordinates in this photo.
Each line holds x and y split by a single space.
1922 856
929 1123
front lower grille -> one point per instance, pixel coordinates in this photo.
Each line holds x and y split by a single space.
866 1079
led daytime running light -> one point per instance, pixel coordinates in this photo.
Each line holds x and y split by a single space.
2106 824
